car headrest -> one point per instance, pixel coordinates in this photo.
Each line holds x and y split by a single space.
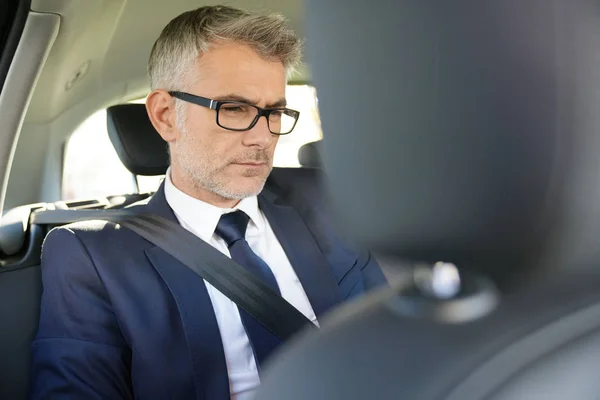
140 148
478 134
308 155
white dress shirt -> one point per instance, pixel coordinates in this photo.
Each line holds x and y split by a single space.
201 219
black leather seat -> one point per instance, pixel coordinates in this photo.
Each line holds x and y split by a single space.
20 291
143 152
139 147
477 144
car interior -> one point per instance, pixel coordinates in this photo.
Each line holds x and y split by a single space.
476 153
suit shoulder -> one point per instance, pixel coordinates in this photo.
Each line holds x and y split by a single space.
90 235
84 251
73 232
74 239
65 259
92 229
85 230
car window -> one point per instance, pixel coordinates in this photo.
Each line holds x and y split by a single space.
92 168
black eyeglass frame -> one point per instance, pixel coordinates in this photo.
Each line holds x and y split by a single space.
217 104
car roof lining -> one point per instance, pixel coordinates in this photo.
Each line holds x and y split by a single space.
103 46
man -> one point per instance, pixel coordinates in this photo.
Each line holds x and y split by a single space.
123 319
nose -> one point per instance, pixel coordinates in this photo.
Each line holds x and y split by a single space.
260 135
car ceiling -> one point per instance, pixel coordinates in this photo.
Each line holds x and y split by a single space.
103 46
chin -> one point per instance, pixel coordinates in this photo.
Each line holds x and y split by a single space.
241 188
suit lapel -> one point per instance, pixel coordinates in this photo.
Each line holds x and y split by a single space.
194 304
196 311
302 251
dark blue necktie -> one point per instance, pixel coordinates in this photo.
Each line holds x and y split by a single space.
232 228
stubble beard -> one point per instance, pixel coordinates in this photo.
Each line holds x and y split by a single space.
203 175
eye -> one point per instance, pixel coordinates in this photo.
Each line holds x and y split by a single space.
234 108
275 115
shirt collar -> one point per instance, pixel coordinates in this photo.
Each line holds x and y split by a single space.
203 217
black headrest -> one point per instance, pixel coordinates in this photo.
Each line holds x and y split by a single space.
308 155
470 132
139 146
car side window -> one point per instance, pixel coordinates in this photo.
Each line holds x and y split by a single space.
91 167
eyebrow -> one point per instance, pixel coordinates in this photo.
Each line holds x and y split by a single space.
234 97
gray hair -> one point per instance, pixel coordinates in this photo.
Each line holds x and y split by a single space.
192 33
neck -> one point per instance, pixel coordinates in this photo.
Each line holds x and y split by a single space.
183 182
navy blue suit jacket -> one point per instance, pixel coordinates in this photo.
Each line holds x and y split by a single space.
121 318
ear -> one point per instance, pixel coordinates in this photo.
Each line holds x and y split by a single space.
160 106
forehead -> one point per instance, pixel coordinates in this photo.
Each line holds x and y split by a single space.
238 69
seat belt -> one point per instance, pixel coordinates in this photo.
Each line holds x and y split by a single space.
233 280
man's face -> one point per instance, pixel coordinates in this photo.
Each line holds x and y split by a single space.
233 165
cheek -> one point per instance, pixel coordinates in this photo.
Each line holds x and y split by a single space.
215 148
271 149
212 145
199 137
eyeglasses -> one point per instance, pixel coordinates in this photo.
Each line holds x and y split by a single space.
239 116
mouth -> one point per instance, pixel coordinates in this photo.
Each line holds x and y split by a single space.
252 164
